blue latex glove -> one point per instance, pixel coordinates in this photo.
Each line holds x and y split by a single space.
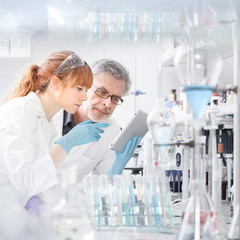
82 133
33 205
123 157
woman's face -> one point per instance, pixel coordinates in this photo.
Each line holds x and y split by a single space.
71 98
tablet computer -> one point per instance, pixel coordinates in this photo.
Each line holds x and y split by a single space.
136 127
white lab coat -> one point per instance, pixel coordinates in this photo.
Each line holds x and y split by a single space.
94 157
26 137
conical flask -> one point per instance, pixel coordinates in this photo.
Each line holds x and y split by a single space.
200 219
161 124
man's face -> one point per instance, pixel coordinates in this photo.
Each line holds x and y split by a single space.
97 108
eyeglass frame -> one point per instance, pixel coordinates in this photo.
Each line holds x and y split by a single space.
70 66
120 101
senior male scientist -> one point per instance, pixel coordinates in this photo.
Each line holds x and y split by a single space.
111 82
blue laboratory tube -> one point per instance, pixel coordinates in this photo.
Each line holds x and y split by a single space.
130 184
155 204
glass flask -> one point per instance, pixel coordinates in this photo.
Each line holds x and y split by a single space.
70 217
161 124
199 220
198 18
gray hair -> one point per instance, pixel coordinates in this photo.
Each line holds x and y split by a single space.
115 69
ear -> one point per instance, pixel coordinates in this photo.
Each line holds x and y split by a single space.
55 82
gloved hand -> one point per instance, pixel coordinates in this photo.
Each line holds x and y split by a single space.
82 133
33 205
123 157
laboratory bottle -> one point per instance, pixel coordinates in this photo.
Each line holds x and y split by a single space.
71 219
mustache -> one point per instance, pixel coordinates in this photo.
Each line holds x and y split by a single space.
104 109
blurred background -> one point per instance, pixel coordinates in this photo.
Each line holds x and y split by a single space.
142 35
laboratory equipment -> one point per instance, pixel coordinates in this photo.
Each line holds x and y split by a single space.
71 62
228 155
70 217
161 124
198 212
198 64
129 201
216 168
234 230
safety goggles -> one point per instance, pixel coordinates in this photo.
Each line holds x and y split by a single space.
71 62
104 94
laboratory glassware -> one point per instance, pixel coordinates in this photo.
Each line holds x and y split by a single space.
234 230
198 18
70 218
198 64
161 124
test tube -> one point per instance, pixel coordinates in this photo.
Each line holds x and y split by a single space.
147 200
130 184
140 203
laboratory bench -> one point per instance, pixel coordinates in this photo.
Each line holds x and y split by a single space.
121 233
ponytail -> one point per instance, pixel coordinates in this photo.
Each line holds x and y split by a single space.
28 83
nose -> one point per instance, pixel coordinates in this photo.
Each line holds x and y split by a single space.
84 96
107 102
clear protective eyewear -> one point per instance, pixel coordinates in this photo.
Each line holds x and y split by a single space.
71 62
104 94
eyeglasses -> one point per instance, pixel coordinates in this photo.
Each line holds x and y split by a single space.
71 62
104 94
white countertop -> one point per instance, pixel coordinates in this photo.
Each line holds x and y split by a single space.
121 233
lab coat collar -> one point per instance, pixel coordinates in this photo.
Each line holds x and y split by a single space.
34 99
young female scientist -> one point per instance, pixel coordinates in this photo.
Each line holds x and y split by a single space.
28 155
